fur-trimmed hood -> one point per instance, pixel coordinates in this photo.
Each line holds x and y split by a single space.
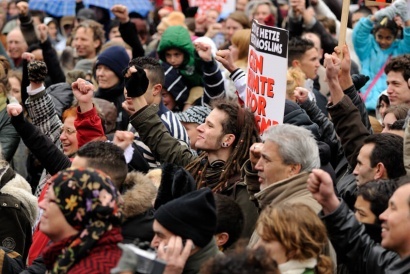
18 187
139 195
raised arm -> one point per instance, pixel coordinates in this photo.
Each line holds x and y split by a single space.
87 123
149 126
355 248
212 77
26 23
346 117
50 56
39 144
128 30
40 105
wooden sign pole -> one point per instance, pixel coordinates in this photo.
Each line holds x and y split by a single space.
343 26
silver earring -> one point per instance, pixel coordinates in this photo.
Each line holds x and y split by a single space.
225 144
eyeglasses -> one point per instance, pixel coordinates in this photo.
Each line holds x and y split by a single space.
67 131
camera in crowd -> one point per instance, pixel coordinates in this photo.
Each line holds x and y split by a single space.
146 257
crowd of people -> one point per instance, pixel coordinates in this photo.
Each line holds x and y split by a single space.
124 134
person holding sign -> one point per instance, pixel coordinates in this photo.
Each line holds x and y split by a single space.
374 40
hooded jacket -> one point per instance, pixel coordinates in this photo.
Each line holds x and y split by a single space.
138 209
177 37
18 209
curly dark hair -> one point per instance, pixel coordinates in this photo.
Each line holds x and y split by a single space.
400 64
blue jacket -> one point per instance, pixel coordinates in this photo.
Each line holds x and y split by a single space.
372 57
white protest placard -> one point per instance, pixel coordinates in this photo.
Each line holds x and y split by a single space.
267 67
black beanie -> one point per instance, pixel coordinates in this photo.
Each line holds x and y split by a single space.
115 58
192 216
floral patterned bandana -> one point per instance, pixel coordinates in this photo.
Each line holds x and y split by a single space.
89 201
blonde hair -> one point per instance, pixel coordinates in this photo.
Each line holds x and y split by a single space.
375 124
299 230
241 39
294 78
4 79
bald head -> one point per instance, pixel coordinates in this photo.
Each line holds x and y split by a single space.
16 45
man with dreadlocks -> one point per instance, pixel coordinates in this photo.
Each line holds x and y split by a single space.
224 138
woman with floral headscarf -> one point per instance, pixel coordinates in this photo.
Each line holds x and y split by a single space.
82 218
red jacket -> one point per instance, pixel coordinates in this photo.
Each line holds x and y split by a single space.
89 128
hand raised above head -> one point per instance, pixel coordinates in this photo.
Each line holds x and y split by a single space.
136 81
123 138
83 91
225 58
204 51
320 184
121 12
332 64
345 62
42 32
23 8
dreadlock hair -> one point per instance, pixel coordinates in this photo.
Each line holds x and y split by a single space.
241 123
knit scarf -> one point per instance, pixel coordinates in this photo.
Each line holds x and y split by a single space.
53 251
292 189
114 95
3 101
194 262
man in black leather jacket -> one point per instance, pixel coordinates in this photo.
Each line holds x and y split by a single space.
360 253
